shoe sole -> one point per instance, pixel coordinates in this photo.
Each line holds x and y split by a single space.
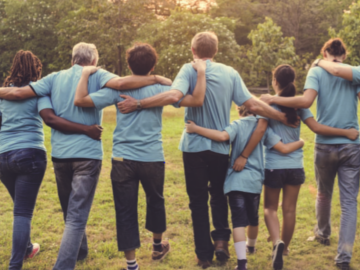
221 255
163 257
278 256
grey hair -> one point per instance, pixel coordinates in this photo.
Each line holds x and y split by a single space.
84 54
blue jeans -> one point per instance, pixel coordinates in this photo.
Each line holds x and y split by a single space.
76 183
343 160
22 171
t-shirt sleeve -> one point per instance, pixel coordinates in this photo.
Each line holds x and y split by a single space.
241 94
356 75
305 114
43 87
262 117
182 80
270 138
104 76
312 80
232 130
44 103
105 97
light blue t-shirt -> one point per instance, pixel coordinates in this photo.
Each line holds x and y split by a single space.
356 75
336 103
61 87
251 178
223 86
22 126
137 135
293 160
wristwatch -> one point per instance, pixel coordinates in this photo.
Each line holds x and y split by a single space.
138 105
317 61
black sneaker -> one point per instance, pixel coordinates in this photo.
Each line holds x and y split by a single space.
250 250
277 257
322 240
343 266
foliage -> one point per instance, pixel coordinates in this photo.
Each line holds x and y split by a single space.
350 33
269 49
171 38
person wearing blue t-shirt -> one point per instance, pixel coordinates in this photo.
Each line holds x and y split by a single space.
138 154
22 151
206 161
243 188
76 157
336 107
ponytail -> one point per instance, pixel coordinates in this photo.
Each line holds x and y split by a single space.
285 76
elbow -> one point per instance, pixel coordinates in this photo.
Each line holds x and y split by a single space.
198 103
174 98
284 150
335 71
306 104
77 103
223 138
120 85
49 120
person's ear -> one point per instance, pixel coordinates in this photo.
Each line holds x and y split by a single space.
153 68
194 53
72 62
130 69
343 56
325 55
94 62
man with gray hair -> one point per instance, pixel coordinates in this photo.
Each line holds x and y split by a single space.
76 157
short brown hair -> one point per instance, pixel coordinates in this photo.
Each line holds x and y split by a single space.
205 44
243 111
141 58
335 47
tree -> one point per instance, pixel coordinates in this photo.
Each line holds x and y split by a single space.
172 40
350 32
269 49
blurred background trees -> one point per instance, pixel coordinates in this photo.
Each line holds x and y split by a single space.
254 35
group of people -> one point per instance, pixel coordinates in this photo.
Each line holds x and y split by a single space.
265 143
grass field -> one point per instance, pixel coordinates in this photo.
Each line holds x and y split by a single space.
48 225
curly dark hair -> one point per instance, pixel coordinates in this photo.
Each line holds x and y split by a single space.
26 68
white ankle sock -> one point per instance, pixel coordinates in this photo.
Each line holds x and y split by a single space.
251 242
240 249
132 265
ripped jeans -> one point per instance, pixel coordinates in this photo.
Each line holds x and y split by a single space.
343 160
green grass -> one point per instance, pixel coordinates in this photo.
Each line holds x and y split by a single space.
48 225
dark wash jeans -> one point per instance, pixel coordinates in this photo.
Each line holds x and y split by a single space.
125 178
76 183
343 160
22 171
205 173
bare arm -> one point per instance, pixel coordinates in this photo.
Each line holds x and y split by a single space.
170 97
135 81
324 130
16 93
254 140
212 134
82 98
288 147
68 127
304 101
337 70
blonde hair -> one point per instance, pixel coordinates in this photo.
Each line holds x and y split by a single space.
84 54
205 44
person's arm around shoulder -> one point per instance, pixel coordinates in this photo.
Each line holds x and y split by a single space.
286 148
316 127
17 93
304 101
212 134
196 99
136 81
82 98
254 140
336 69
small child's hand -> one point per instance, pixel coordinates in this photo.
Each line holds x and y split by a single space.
352 134
190 127
239 164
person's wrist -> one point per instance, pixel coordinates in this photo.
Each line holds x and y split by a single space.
243 156
138 105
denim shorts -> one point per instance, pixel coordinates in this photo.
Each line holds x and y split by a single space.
244 208
279 178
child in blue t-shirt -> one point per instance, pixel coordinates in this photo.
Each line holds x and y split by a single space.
244 188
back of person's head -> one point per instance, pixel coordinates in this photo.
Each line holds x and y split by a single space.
335 47
141 58
26 68
85 54
243 111
285 77
205 44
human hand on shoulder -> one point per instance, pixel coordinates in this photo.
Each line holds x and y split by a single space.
199 65
239 163
190 127
284 120
163 80
88 70
267 98
352 134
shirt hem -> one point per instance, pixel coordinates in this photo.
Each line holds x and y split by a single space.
21 147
